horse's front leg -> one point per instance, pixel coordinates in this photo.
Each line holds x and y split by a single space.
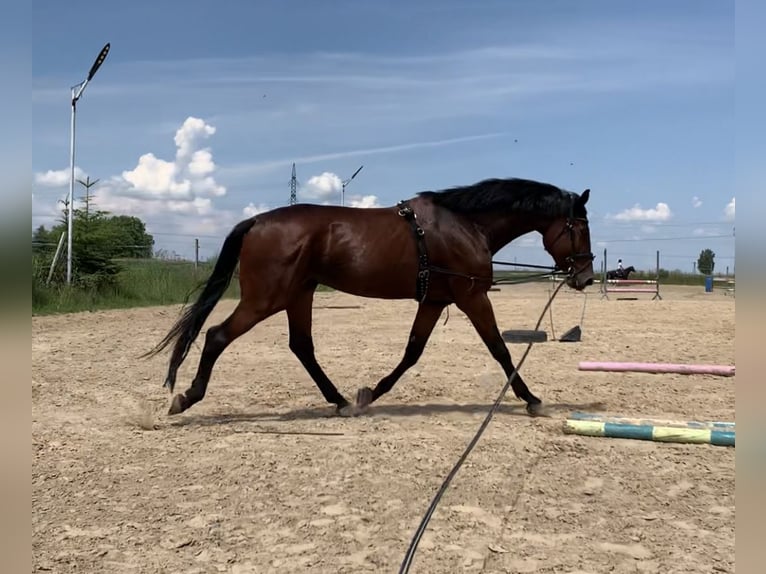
422 327
478 309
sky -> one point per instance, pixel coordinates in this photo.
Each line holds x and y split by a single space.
199 111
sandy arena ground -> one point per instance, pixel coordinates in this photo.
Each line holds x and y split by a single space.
259 477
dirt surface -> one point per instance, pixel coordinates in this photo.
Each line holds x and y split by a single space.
259 477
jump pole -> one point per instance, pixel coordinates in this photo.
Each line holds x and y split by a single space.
713 433
621 419
719 370
616 283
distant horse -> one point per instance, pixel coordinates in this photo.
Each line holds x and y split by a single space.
620 273
435 248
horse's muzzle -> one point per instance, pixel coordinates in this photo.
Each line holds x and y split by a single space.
580 281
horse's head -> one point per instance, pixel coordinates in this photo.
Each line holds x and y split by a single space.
567 239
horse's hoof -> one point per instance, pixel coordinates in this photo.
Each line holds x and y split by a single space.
363 398
347 410
178 405
537 410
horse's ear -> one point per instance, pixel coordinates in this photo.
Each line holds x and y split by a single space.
584 197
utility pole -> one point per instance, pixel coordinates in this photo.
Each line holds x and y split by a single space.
345 183
293 188
76 95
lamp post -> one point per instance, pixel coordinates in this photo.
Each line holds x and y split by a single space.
345 183
76 93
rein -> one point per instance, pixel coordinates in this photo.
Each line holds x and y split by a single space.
552 271
407 562
530 265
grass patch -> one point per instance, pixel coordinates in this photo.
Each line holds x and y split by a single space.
139 283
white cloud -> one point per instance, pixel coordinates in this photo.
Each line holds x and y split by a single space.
661 212
170 196
251 209
156 186
110 198
529 240
157 177
324 187
58 178
363 201
187 178
696 202
190 136
46 211
201 163
703 232
728 211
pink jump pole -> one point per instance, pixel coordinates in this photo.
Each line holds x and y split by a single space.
720 370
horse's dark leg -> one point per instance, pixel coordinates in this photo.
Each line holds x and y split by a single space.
479 311
422 327
217 339
302 345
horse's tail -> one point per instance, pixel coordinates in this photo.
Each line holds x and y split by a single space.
188 326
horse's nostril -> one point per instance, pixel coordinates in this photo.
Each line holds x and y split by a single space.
589 282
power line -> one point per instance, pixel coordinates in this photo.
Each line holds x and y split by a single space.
661 223
674 256
689 238
185 235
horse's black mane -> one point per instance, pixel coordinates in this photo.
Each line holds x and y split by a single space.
512 194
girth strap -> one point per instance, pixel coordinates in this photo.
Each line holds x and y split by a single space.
424 271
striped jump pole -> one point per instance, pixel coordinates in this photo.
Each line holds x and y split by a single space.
694 432
613 366
621 419
728 284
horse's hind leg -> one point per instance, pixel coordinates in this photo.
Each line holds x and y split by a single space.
479 311
217 339
302 345
422 327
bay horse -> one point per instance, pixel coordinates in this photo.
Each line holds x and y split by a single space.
620 273
435 247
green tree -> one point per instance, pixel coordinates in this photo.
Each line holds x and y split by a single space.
98 238
42 239
706 262
116 236
129 237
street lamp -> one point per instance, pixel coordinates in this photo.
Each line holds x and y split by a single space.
345 183
76 93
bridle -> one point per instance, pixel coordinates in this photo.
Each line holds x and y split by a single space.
572 267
